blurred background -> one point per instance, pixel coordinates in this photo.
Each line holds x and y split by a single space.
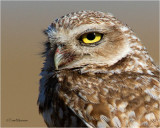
22 42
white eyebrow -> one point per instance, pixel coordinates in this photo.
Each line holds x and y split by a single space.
86 27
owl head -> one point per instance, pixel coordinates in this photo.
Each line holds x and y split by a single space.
92 38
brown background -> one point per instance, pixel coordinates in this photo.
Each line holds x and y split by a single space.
22 37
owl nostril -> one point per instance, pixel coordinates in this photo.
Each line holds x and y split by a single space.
61 45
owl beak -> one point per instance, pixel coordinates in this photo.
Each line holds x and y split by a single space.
63 57
58 57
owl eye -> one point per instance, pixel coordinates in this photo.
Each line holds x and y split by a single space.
90 38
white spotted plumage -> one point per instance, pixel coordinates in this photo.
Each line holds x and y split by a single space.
112 83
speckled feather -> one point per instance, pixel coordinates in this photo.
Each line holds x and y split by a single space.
120 88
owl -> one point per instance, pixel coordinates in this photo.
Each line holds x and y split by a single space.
97 73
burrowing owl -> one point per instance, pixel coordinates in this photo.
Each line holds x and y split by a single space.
97 74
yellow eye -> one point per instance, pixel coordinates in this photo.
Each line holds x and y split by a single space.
90 38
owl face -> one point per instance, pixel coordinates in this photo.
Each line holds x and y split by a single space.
90 38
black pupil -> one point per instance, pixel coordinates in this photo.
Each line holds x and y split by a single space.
91 36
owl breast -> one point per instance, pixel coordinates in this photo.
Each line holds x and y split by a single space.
115 100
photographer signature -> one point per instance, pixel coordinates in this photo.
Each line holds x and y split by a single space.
15 120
